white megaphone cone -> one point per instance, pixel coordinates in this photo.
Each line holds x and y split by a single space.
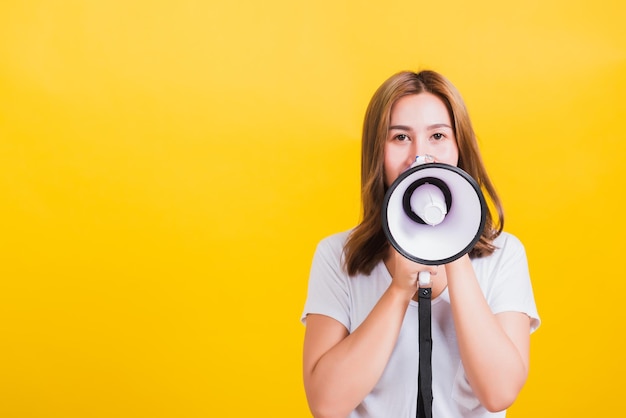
433 213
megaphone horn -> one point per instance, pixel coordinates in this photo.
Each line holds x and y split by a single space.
434 213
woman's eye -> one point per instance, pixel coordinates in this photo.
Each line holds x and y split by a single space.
438 136
402 137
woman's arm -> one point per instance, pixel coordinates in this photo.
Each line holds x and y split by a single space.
339 368
494 348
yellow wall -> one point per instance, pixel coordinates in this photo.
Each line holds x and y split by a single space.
167 167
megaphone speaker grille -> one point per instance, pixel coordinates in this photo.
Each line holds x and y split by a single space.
448 240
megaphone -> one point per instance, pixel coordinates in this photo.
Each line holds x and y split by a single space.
434 213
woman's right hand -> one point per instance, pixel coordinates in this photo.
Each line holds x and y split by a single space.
404 272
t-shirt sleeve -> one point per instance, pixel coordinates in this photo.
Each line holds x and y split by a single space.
328 289
512 288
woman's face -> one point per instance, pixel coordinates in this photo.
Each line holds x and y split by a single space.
420 125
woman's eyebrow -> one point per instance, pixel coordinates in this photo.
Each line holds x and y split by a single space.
408 128
439 125
399 128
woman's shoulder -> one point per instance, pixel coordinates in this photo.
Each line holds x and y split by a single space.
507 247
509 241
334 242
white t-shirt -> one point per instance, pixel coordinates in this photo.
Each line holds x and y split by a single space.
505 282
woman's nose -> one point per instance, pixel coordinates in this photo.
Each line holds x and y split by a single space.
424 149
419 150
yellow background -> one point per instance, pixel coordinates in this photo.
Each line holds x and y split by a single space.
167 168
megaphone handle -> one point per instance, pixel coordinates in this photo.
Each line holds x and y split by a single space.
423 279
424 373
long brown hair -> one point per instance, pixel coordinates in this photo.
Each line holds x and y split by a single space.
367 244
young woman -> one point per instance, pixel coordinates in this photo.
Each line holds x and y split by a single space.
361 313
